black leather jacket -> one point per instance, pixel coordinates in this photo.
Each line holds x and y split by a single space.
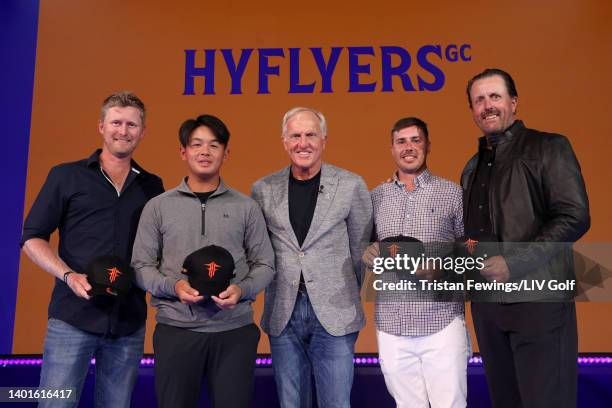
536 195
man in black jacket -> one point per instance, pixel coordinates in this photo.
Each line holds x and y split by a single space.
524 186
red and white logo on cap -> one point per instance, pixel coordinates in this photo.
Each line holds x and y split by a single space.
113 274
470 244
212 268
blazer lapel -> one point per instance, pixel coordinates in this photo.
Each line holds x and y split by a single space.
280 191
327 191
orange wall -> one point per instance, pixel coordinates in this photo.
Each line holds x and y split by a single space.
559 53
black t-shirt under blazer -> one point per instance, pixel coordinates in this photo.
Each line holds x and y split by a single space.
302 203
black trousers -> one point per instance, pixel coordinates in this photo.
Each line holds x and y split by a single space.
183 357
529 352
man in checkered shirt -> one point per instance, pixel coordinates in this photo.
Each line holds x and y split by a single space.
422 343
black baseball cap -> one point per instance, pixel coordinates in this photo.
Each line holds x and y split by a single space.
401 244
209 269
109 276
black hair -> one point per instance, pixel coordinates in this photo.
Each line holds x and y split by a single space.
216 126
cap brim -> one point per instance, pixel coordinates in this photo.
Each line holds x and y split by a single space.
209 288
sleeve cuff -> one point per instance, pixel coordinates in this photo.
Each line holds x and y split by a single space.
246 290
170 284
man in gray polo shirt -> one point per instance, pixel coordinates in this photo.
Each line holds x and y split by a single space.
199 335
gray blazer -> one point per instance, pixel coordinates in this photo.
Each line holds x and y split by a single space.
330 257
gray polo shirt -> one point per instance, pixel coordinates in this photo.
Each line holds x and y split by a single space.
172 226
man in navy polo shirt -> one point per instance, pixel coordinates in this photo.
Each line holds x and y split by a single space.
95 204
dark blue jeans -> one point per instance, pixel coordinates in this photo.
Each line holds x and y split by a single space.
305 348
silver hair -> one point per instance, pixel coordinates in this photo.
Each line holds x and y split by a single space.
294 111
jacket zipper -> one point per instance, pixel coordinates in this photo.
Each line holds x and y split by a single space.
203 219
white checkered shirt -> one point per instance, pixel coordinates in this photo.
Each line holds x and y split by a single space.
432 212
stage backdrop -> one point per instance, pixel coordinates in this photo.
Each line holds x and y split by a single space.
364 64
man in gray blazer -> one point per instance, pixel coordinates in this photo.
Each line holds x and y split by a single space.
319 217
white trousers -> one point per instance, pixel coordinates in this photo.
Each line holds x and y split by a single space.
424 370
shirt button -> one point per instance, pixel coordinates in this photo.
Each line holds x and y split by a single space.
301 254
295 283
480 207
482 230
411 198
489 164
407 215
482 185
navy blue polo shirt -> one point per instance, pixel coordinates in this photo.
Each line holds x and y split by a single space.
93 220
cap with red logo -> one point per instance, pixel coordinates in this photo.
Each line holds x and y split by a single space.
476 246
109 276
209 269
401 245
